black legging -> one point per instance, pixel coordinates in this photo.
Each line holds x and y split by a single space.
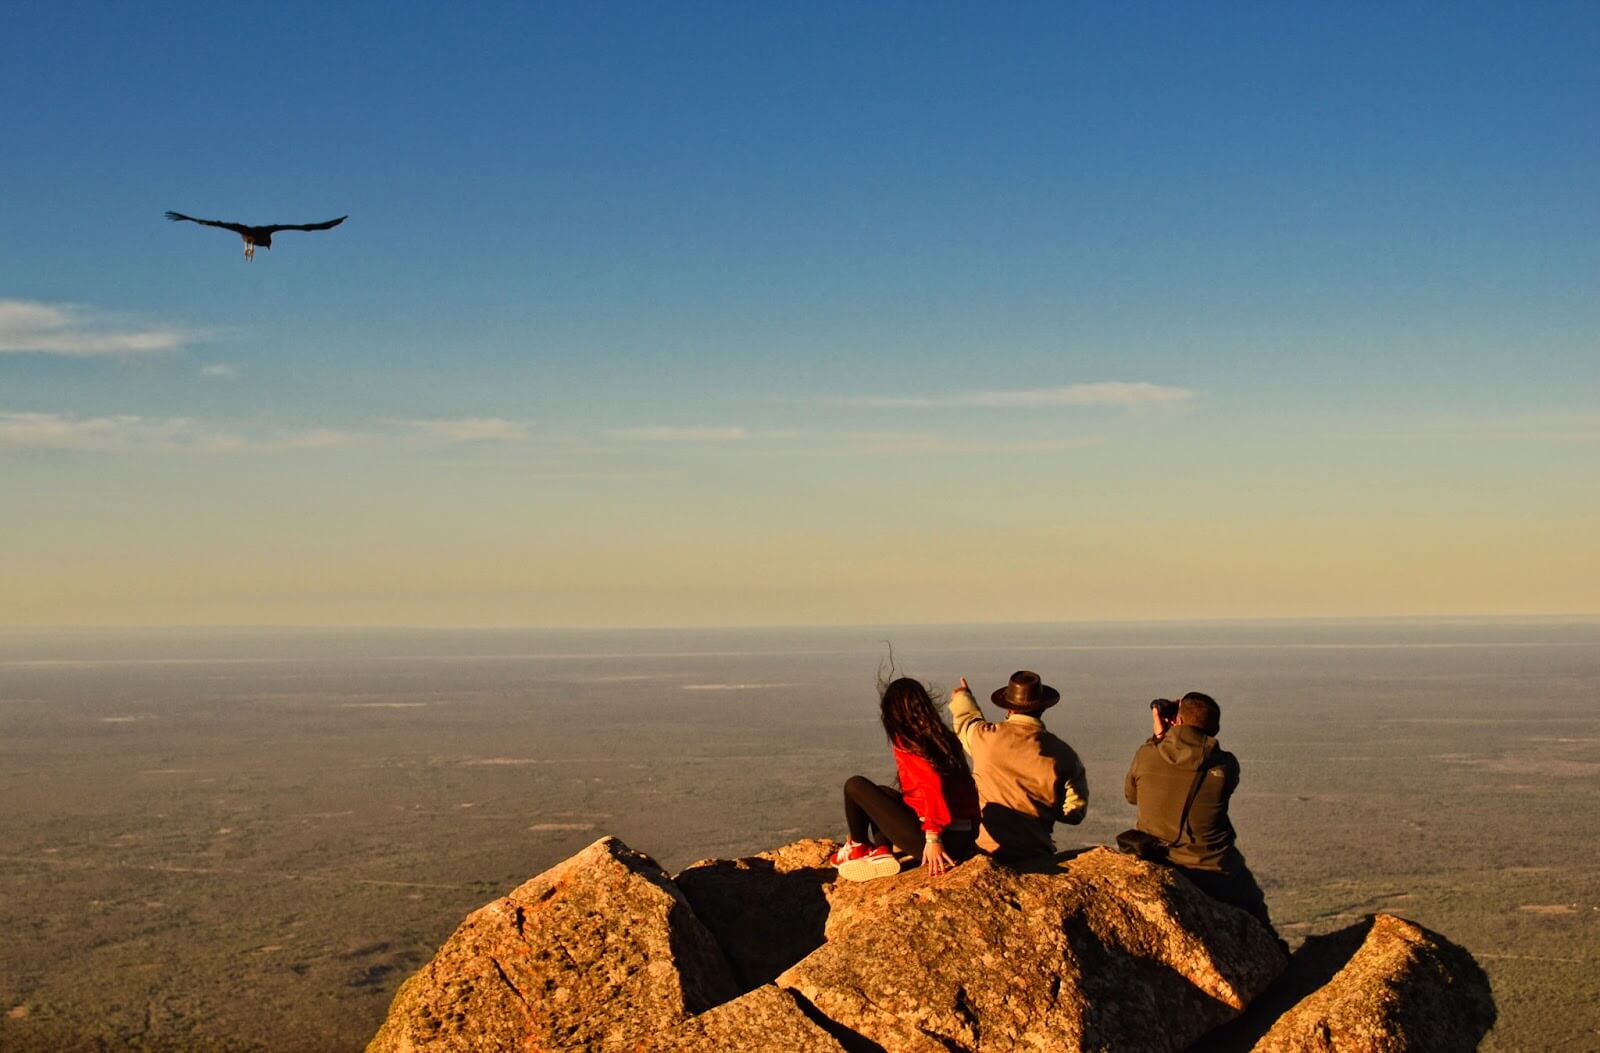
877 815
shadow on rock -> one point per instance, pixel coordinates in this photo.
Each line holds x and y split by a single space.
766 911
1317 961
1383 976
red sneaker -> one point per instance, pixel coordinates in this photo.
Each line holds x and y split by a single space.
848 851
875 863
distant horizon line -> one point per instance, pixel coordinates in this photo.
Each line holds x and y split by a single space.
1580 618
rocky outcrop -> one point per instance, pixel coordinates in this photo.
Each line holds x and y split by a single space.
765 1019
1405 990
767 911
1093 951
588 955
1098 952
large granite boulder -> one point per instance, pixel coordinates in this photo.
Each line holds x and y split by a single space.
1094 951
590 954
767 911
765 1019
1404 990
1098 952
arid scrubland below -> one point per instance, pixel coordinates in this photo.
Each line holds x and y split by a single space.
237 841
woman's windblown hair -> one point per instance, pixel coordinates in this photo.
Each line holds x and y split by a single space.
912 722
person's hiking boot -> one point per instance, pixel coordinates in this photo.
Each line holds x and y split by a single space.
875 863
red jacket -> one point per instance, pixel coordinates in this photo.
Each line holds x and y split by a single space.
937 799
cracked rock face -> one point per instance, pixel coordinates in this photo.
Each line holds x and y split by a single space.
1405 990
765 1019
590 954
1101 952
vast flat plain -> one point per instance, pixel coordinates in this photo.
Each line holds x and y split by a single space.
246 840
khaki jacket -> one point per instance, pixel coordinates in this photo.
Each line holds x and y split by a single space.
1028 780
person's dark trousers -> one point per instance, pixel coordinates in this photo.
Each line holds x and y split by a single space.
1235 886
877 815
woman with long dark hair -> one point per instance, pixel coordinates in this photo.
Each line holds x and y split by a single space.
932 814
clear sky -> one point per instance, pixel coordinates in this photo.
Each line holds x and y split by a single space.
684 314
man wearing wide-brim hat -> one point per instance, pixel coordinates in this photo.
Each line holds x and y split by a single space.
1028 780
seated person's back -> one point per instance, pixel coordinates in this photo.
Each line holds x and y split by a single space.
1027 778
1159 782
1181 781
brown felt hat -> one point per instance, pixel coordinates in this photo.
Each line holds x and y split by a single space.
1026 693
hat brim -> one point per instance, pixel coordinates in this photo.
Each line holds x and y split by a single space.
1048 696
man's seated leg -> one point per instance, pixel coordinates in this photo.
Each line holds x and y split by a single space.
1235 886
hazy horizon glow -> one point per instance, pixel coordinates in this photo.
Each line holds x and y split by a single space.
711 317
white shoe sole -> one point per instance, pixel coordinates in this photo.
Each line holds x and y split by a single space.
869 867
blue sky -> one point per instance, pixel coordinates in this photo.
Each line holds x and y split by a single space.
727 314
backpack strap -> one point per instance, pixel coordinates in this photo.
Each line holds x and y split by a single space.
1183 820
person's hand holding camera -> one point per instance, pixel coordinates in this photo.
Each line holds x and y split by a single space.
1163 714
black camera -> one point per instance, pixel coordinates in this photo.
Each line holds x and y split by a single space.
1166 709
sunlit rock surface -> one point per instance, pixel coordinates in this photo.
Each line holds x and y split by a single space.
1093 951
593 952
1099 952
1405 990
766 1019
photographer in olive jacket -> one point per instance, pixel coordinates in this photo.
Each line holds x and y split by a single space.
1181 780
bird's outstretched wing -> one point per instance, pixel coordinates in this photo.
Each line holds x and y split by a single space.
275 227
237 228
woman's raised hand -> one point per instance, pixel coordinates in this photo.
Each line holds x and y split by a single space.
964 686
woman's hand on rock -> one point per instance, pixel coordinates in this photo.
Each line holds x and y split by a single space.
935 859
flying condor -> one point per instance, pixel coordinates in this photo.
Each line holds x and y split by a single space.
254 236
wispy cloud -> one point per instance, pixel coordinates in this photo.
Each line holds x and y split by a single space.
602 476
31 327
59 431
914 444
1487 435
469 430
1114 393
221 370
471 438
314 439
129 433
669 433
804 442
